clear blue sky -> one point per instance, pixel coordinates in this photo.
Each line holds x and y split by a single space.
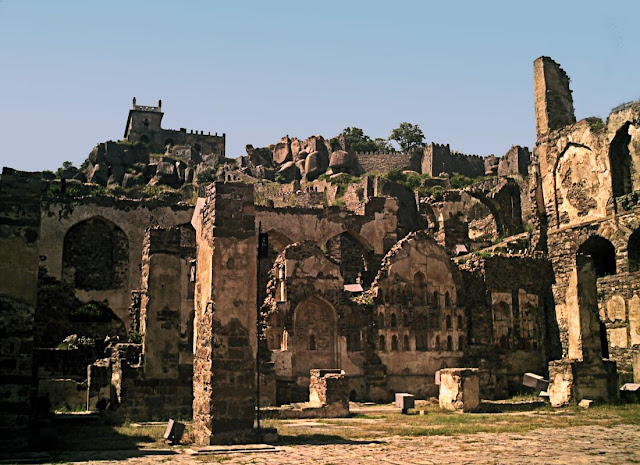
260 70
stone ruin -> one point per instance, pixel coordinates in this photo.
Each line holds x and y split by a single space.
164 298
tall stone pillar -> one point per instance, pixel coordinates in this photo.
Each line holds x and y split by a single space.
553 100
19 232
225 305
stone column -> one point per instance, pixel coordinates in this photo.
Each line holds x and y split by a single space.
19 259
225 304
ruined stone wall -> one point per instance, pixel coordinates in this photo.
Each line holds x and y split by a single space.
309 320
619 310
439 159
19 240
419 326
382 162
510 315
515 162
588 186
124 222
376 227
615 292
161 386
463 220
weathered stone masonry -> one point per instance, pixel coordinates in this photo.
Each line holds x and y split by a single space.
226 316
19 232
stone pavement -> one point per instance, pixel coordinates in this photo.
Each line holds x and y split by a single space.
572 445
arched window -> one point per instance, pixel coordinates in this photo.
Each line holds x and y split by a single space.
437 344
447 299
634 251
460 342
603 254
380 320
394 343
394 321
405 343
459 322
436 299
419 288
449 343
405 319
448 321
312 342
381 343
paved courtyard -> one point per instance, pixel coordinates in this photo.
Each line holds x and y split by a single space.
572 445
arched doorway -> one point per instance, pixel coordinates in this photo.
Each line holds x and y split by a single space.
595 258
315 336
602 253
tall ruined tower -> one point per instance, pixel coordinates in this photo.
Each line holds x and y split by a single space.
554 104
225 321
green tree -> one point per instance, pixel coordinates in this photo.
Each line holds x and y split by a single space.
358 141
408 136
67 170
383 145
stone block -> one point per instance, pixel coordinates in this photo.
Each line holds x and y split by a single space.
405 401
459 389
534 381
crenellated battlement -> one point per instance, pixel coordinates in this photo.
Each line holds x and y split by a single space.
439 158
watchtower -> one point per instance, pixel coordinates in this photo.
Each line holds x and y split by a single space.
143 122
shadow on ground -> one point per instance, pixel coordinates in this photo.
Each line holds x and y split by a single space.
503 407
77 439
322 440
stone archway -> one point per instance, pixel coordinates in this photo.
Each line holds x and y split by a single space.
315 338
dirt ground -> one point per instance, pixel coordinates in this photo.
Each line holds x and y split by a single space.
573 445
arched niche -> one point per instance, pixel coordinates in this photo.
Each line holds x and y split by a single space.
95 255
419 291
315 325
